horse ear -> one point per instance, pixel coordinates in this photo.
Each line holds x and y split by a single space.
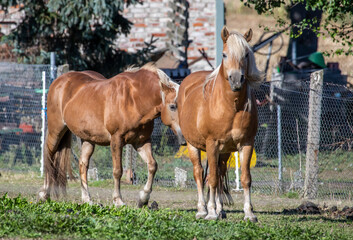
165 88
248 35
224 34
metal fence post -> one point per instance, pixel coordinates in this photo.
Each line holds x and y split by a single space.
276 82
314 124
43 124
52 67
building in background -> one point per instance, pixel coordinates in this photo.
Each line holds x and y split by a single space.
166 20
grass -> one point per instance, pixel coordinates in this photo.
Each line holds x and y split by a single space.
23 219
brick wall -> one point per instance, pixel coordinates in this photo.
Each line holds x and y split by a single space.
14 15
151 18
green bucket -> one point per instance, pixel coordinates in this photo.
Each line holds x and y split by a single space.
318 59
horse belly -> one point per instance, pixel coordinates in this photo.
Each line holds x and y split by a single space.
87 125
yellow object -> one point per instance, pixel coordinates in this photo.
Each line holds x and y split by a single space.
183 152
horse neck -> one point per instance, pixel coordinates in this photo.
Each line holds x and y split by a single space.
147 87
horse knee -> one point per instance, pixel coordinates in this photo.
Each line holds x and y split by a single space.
246 182
117 173
152 167
198 171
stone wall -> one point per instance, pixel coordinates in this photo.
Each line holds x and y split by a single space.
151 18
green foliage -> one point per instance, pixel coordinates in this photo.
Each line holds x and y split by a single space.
336 23
23 219
102 160
80 32
20 156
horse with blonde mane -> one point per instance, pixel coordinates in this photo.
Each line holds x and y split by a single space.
116 111
218 114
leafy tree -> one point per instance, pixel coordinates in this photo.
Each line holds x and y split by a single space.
80 32
336 22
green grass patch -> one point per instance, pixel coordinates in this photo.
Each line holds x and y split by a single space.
23 219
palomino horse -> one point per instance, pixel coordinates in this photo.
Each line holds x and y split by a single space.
217 113
115 111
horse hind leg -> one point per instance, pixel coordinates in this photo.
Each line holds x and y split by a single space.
116 149
145 151
195 158
87 150
245 157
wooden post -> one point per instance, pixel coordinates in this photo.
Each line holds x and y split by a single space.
314 123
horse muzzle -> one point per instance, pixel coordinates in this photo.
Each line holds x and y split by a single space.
236 81
180 136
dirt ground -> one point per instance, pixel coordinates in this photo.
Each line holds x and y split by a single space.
239 18
27 185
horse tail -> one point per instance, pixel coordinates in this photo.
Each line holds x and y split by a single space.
224 188
224 181
58 165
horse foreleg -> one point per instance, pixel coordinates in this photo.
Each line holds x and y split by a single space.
86 153
212 158
146 154
195 158
245 157
116 149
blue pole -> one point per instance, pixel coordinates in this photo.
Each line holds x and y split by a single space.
219 26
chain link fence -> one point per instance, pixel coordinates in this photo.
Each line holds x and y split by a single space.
280 145
20 115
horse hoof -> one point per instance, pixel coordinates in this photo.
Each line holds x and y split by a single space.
119 203
43 196
211 217
251 218
200 215
141 204
222 215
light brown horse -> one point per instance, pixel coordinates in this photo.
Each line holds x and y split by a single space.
115 111
217 114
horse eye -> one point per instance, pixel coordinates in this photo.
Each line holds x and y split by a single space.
224 55
173 107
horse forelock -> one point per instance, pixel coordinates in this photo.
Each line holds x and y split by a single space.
238 47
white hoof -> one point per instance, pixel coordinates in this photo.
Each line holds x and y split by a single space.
252 218
211 217
201 215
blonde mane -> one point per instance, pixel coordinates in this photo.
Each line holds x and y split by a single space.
163 78
239 49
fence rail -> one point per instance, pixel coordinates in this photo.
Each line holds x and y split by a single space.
283 107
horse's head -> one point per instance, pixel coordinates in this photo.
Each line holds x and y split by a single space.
238 59
169 111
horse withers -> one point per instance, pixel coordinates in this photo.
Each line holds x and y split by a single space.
218 114
116 111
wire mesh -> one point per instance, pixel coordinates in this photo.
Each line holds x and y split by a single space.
20 134
20 115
